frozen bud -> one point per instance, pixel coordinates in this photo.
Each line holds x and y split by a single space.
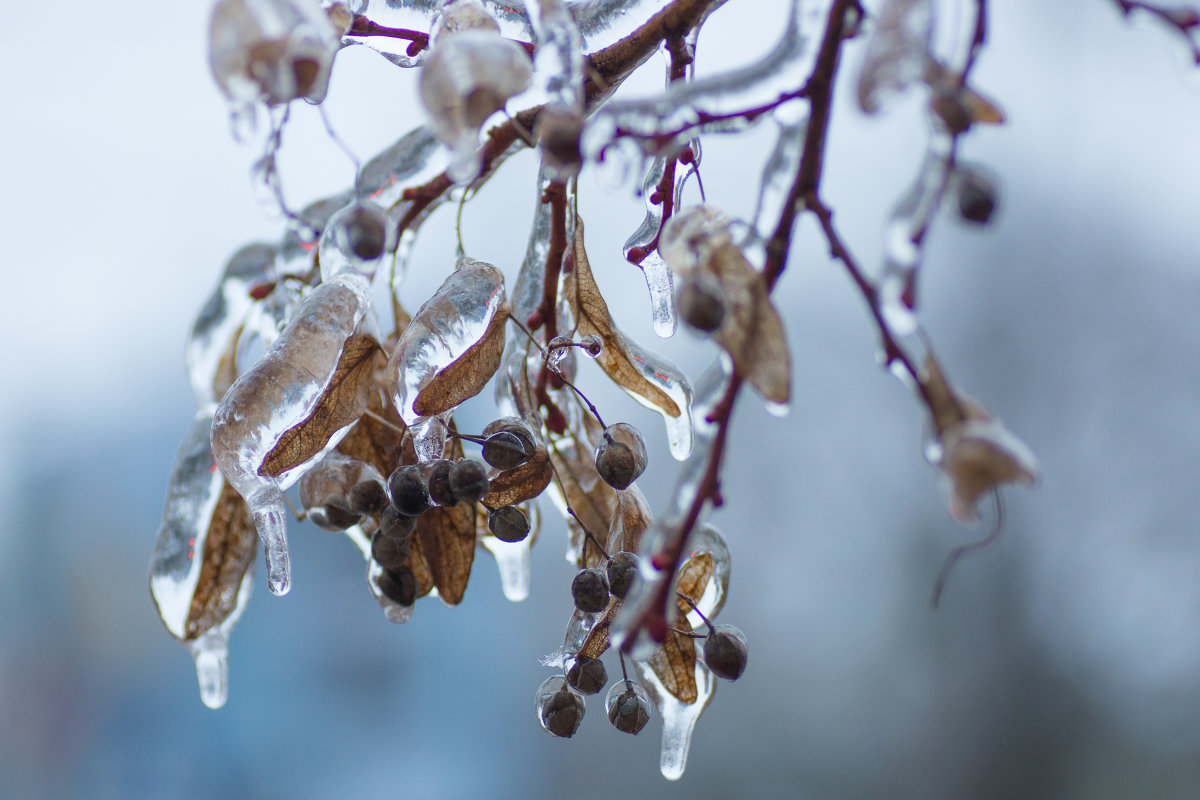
725 652
468 480
333 517
589 589
396 525
368 497
438 476
272 50
559 708
976 195
466 78
508 524
701 304
457 16
389 551
587 674
628 707
622 569
507 450
399 585
620 455
406 486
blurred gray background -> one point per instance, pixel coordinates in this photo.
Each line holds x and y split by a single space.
1064 663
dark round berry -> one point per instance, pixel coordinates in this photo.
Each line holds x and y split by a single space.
559 708
507 450
468 480
399 585
390 552
334 517
628 707
368 497
587 674
701 305
396 525
406 486
725 652
439 483
366 231
622 569
590 591
976 197
620 455
508 524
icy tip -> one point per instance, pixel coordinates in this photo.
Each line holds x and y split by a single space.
279 572
213 673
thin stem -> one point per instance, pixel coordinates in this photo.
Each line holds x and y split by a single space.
943 577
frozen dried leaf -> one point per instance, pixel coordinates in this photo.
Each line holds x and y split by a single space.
227 369
945 406
752 332
447 538
630 521
597 641
980 455
675 664
420 566
379 443
523 483
617 359
466 376
694 575
342 403
228 555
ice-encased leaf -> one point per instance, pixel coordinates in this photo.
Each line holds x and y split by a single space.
279 418
447 543
698 243
453 344
649 379
898 52
522 483
273 50
211 353
330 481
201 571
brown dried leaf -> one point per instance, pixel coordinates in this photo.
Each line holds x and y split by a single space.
597 640
420 566
447 542
591 498
342 403
945 406
523 483
752 333
675 664
229 549
592 317
630 520
466 376
694 575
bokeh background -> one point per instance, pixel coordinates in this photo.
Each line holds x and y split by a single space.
1064 663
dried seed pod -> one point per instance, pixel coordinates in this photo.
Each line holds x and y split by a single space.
508 524
590 591
620 455
725 652
395 525
438 476
400 585
408 491
507 450
628 707
622 569
368 497
468 480
559 708
587 674
701 304
333 517
389 551
976 195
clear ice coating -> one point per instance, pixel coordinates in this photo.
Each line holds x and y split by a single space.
449 324
558 60
279 394
512 558
712 104
658 276
707 540
898 51
469 75
671 380
179 561
210 355
679 719
271 50
354 241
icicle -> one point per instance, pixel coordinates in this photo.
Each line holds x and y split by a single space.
202 568
211 350
654 269
679 719
791 121
280 394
